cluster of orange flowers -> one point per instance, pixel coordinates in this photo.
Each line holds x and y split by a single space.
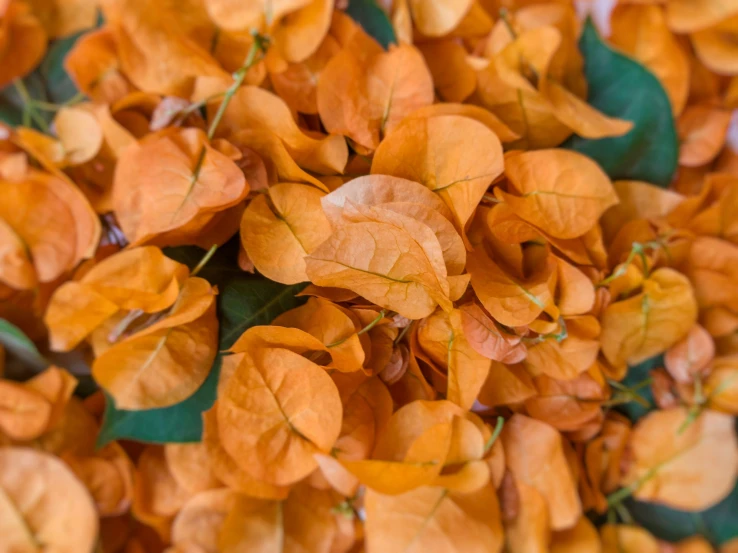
435 305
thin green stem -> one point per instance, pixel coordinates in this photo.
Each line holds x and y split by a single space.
367 328
495 434
504 16
239 76
700 401
622 268
76 99
29 110
204 260
372 324
402 333
626 395
48 106
622 494
559 336
200 104
623 513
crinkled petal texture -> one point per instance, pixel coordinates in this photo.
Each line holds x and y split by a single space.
380 189
171 184
649 322
281 227
42 502
456 157
226 469
46 226
276 411
384 263
561 192
168 361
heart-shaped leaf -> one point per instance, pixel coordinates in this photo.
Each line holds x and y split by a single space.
621 87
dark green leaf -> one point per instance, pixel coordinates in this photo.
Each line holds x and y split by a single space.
718 524
11 106
635 376
374 21
178 423
16 342
59 86
251 302
219 270
621 87
244 300
11 102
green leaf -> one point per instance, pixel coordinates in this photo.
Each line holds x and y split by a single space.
374 21
180 423
11 102
718 524
16 342
11 106
59 86
635 376
621 87
244 300
251 302
219 270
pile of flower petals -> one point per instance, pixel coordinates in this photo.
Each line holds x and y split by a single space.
477 335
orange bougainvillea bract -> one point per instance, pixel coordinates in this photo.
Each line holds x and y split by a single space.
368 276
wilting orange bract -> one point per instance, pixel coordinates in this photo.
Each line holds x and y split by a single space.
472 295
